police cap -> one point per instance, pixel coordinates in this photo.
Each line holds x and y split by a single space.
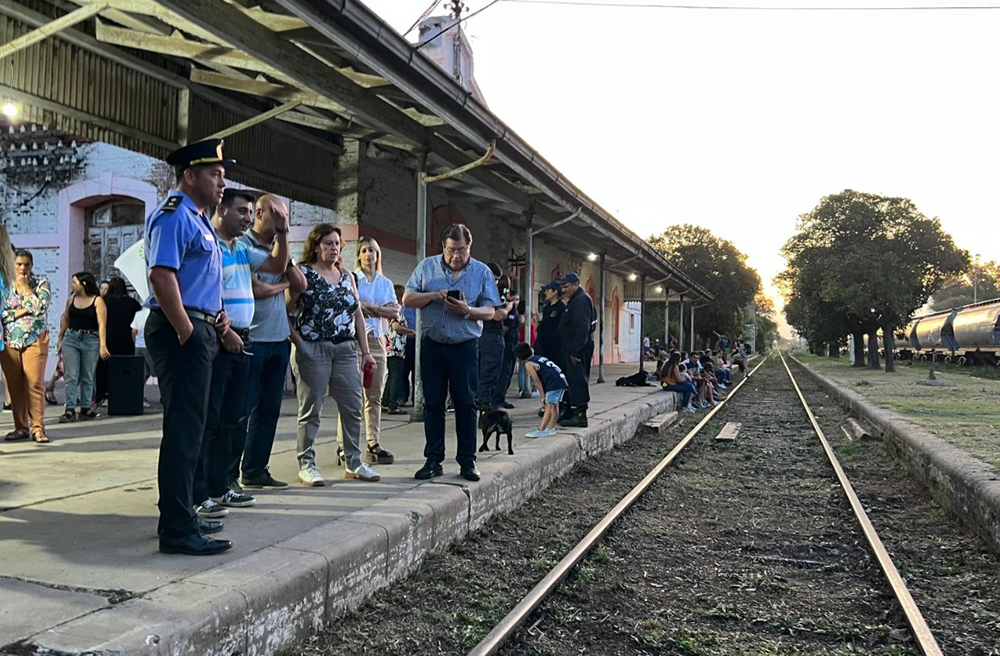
208 151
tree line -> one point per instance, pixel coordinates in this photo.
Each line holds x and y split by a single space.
721 268
861 264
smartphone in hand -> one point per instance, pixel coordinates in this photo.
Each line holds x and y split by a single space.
455 294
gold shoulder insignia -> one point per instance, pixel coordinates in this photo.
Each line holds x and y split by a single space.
172 204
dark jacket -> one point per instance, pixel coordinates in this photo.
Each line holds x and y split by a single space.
578 323
548 343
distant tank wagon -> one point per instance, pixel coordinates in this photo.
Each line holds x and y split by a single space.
967 335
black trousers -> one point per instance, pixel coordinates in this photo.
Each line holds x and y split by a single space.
224 437
449 368
395 386
578 377
184 373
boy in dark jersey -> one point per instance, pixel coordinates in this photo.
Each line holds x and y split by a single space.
550 381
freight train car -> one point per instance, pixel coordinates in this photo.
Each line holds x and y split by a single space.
967 335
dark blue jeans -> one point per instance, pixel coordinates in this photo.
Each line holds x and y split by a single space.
490 369
408 369
265 390
445 367
223 436
687 388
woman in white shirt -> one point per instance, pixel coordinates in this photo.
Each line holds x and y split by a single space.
379 305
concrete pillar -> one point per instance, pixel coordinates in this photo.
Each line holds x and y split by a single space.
680 324
666 318
600 322
529 282
642 312
692 327
418 388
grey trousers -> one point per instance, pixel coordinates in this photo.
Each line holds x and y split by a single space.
319 366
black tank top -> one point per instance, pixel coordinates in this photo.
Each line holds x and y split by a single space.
85 319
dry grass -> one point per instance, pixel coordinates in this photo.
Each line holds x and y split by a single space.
965 414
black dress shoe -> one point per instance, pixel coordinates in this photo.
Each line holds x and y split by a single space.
470 473
194 545
429 470
508 406
207 526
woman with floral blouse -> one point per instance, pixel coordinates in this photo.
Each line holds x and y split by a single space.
328 333
26 349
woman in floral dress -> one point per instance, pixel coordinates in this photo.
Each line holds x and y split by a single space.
26 349
327 334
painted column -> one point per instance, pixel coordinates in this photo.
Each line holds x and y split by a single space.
600 322
642 323
692 327
680 324
529 268
418 389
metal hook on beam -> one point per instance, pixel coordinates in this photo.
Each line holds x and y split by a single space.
428 179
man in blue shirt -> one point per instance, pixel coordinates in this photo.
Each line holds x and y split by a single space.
186 321
454 294
215 484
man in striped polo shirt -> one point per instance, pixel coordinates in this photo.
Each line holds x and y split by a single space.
223 438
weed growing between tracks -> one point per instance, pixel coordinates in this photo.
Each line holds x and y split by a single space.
745 548
456 597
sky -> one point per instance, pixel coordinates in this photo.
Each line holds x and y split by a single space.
741 120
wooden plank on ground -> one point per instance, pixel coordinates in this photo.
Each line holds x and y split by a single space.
729 432
661 422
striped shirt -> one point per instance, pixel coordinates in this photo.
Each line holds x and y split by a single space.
238 265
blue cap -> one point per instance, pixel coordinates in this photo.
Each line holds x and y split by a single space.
568 278
552 285
208 151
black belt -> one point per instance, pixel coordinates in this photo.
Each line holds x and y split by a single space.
87 331
244 333
202 316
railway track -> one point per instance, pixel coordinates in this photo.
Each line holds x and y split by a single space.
923 640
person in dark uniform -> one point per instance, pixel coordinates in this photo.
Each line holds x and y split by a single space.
185 324
548 344
491 347
576 330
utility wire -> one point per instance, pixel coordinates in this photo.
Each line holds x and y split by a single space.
456 24
427 12
638 5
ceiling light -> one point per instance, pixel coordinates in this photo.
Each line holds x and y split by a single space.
592 257
9 110
632 277
659 290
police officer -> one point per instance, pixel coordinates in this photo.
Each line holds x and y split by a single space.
491 348
576 330
183 330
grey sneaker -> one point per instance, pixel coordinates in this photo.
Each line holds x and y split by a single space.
311 476
233 499
235 486
363 473
209 509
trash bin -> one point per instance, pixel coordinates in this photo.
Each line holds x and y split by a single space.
126 378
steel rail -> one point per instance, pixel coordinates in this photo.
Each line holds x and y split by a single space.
921 631
496 638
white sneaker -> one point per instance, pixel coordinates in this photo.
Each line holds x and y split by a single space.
311 476
209 509
688 409
363 473
721 386
551 432
535 394
535 433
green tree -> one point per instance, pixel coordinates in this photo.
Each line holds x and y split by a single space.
957 291
861 263
718 266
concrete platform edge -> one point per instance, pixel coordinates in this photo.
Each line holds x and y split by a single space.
965 485
264 601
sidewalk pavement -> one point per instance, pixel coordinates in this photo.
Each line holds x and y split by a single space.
78 520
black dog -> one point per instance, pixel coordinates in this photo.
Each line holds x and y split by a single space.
496 421
635 380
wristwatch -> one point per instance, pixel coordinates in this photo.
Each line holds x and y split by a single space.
467 314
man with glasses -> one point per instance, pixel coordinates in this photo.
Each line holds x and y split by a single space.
454 294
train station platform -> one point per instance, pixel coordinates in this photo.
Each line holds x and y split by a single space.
79 566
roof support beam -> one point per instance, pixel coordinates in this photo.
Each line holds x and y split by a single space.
228 23
84 117
44 31
260 118
558 223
